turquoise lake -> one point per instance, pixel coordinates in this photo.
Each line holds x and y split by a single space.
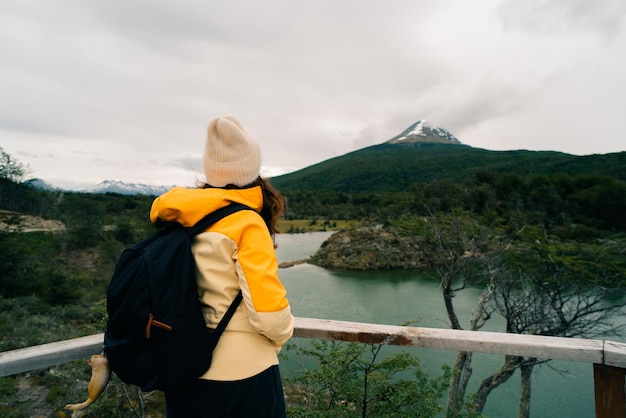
559 388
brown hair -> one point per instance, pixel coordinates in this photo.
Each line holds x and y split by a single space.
273 202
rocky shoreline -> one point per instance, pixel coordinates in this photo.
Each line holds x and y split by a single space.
366 248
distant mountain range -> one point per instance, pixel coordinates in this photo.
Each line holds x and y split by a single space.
109 186
119 187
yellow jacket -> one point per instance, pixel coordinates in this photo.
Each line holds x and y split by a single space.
235 253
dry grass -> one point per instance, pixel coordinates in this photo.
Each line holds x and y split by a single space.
305 225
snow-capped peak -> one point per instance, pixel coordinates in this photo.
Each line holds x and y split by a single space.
420 132
417 129
115 186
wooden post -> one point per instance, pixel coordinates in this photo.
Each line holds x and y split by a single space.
609 391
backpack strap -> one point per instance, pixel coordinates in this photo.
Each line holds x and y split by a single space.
221 326
215 216
199 227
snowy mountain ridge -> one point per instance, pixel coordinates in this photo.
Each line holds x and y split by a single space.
120 187
420 132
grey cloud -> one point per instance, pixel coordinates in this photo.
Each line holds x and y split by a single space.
487 98
564 17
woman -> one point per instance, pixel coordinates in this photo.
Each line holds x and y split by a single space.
235 253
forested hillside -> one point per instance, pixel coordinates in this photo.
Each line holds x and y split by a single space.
396 167
388 181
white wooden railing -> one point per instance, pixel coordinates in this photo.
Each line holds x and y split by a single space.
608 358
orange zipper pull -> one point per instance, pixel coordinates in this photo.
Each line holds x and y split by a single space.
148 326
151 322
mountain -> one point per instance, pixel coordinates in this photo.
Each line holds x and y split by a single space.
119 187
427 155
420 132
40 184
107 186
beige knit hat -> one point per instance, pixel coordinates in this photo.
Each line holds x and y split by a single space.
231 155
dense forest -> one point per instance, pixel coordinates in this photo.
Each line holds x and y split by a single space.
573 206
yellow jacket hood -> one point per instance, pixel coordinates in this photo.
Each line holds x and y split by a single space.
187 206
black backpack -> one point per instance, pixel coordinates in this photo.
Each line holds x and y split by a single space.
156 336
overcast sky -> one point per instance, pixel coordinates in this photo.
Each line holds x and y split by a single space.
123 90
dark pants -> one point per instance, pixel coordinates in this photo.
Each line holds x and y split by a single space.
259 396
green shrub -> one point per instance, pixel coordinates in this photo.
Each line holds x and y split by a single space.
355 380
